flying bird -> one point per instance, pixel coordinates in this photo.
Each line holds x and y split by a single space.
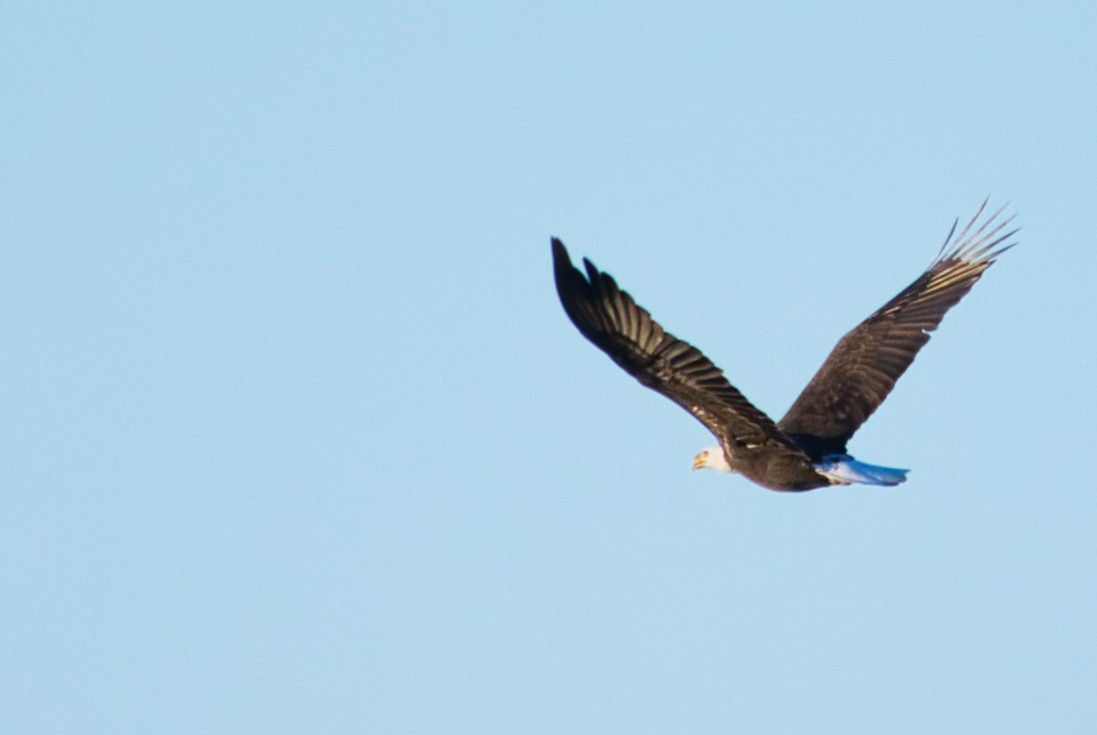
807 448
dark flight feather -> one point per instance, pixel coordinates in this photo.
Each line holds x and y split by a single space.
625 331
863 367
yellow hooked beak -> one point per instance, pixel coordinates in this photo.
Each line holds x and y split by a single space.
699 460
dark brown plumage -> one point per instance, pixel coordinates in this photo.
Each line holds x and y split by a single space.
803 450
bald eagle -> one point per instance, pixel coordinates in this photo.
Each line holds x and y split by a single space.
807 448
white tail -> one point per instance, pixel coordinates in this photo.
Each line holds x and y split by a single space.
845 470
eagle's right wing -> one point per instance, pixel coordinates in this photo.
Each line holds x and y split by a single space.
864 365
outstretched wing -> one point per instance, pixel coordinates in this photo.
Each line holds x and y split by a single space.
864 365
609 318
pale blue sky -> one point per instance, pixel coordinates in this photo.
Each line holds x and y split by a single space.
296 437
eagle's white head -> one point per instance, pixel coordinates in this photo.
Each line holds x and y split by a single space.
711 459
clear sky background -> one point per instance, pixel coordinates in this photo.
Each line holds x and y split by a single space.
297 438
